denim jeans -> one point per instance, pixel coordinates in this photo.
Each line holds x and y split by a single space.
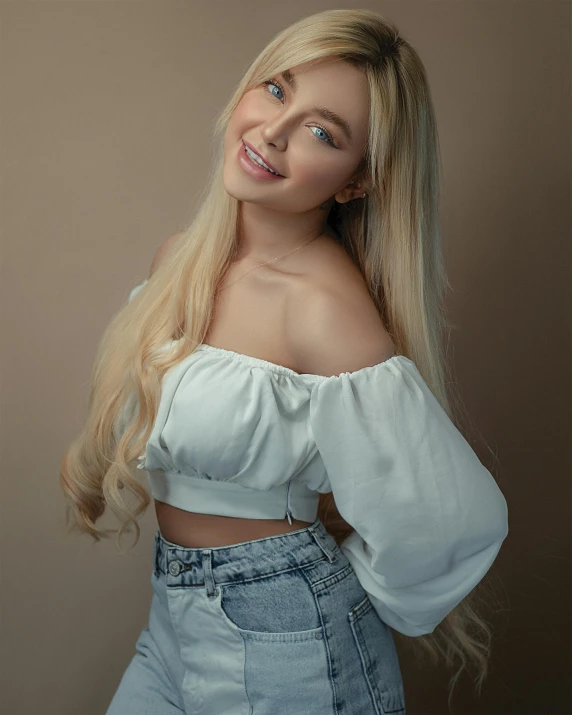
273 626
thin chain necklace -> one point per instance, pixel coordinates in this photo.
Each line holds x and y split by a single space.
270 261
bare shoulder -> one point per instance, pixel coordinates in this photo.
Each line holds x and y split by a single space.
334 324
162 251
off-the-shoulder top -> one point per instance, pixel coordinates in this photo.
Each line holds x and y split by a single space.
236 435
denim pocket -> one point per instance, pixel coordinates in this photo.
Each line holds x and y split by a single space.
378 657
276 608
286 665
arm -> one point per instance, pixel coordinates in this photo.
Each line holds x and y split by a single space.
428 518
162 252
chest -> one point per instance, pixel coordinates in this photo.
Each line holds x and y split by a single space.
253 317
257 312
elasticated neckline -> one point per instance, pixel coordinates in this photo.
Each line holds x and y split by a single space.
282 369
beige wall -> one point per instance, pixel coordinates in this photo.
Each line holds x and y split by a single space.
105 125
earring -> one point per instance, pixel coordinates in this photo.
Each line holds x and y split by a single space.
363 195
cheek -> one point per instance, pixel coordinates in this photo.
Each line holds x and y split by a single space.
244 114
308 172
317 171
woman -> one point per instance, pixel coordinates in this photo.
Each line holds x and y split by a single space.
280 378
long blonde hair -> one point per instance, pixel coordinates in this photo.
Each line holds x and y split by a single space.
393 238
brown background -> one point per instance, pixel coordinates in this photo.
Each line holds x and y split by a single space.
105 125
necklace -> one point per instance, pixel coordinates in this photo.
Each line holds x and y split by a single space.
270 261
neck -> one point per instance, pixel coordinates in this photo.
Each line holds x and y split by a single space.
263 235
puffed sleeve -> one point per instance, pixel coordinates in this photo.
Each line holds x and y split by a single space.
136 290
428 517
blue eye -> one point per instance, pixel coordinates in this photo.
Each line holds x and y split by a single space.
268 82
329 139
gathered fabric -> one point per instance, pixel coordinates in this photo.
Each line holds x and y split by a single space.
239 436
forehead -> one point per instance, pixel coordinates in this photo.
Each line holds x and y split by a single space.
329 69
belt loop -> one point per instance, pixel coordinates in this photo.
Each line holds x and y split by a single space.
208 572
324 541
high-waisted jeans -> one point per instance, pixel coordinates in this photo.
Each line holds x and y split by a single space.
274 626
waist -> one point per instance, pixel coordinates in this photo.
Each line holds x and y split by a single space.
206 531
292 500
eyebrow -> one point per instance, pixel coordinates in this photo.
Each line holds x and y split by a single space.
324 112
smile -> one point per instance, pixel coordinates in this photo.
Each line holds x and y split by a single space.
254 166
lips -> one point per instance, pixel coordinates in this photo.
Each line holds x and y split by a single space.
264 159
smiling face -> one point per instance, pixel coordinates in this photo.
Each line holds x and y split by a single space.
310 124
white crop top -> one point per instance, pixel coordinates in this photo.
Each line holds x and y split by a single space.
239 436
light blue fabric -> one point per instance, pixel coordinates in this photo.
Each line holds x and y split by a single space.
428 517
273 626
136 290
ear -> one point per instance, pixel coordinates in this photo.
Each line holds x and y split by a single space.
354 190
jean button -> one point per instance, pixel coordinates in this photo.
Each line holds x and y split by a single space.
175 568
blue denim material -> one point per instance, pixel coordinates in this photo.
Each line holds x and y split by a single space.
279 625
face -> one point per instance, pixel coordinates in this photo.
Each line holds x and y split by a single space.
313 153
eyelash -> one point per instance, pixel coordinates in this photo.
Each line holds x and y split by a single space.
330 138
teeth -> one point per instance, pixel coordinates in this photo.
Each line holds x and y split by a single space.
259 161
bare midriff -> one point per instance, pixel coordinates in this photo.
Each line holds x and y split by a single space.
203 531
